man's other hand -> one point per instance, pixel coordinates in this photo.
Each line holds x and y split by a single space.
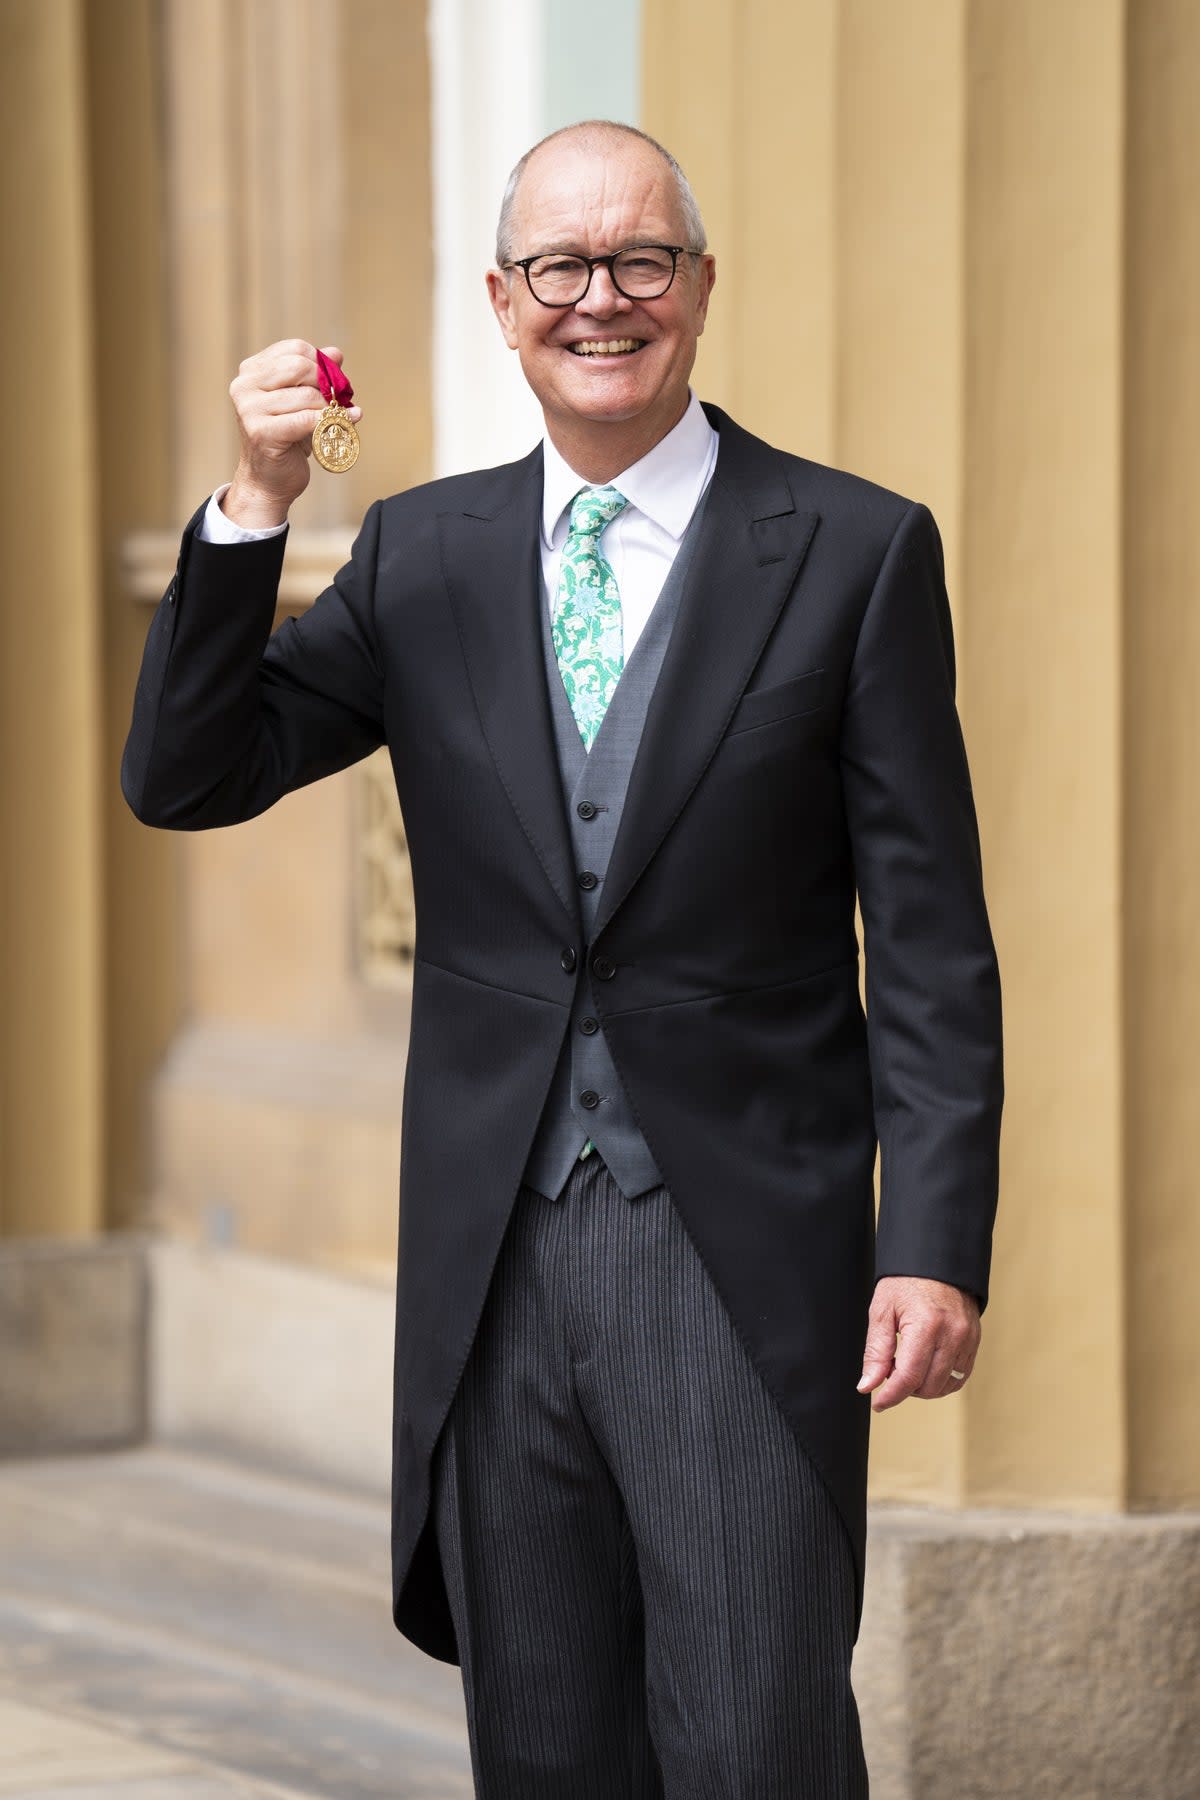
277 397
918 1332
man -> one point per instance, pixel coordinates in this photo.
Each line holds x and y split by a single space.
661 700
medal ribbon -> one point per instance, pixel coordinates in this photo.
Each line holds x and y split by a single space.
334 386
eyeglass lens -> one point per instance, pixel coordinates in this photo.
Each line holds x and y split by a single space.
639 274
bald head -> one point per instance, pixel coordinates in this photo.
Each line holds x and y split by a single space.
597 137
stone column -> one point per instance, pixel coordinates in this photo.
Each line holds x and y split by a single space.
297 186
52 893
958 253
1161 749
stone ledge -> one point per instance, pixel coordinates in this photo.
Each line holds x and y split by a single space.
1033 1655
73 1320
285 1366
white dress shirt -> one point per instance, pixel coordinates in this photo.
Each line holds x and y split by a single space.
663 491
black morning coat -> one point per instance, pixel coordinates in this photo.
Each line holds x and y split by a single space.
801 747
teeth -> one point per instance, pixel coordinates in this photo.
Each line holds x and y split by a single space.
605 346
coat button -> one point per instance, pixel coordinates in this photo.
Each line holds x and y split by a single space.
586 809
589 1098
587 879
567 959
603 967
589 1026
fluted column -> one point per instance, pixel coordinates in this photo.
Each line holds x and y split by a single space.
51 894
961 259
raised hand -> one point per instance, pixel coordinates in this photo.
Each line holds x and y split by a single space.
278 401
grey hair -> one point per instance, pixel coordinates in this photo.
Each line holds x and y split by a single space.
693 224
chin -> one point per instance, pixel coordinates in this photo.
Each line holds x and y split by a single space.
609 406
616 397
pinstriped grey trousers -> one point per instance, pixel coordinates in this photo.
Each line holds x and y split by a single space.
652 1592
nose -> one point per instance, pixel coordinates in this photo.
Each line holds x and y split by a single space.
603 299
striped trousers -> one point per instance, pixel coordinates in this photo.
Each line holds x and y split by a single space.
652 1592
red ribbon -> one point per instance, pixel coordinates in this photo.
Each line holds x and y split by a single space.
333 384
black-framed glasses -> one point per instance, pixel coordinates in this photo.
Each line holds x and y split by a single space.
643 272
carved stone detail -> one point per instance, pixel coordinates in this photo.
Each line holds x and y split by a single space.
385 921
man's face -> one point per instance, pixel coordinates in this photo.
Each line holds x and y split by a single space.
592 200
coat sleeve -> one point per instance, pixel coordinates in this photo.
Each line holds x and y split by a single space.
228 718
933 990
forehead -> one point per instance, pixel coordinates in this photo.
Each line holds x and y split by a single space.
596 196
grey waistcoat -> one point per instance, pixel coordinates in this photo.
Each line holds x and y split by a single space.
597 780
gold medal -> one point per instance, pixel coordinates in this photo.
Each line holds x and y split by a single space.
334 440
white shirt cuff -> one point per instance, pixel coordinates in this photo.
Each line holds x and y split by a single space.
215 528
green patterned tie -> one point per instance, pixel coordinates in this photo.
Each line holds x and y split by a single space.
588 639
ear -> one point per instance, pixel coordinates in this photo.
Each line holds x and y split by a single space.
706 275
500 294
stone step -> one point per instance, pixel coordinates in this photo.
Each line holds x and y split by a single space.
238 1620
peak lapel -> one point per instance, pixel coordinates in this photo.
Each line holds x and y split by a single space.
493 575
751 547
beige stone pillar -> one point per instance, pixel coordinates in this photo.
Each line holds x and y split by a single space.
745 96
1041 646
1161 730
132 472
945 318
297 178
51 895
987 300
897 357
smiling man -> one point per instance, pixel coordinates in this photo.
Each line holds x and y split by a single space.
662 702
607 348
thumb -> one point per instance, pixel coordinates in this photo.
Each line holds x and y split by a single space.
879 1355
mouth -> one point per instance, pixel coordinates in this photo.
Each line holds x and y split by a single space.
607 347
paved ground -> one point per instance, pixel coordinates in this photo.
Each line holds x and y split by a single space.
177 1628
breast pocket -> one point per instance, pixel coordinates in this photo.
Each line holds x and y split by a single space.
789 699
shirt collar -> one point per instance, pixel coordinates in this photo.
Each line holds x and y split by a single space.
665 484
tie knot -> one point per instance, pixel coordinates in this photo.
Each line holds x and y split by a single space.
594 508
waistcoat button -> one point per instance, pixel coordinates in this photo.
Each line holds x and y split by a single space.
568 959
604 967
589 1098
587 879
586 809
589 1026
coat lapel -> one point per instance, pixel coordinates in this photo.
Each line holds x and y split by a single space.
752 544
492 570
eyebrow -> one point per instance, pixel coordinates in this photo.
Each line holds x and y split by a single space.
633 243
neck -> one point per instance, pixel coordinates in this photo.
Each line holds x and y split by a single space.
599 450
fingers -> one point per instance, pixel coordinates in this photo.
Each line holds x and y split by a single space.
269 429
937 1380
958 1377
880 1352
288 364
920 1335
910 1366
278 401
